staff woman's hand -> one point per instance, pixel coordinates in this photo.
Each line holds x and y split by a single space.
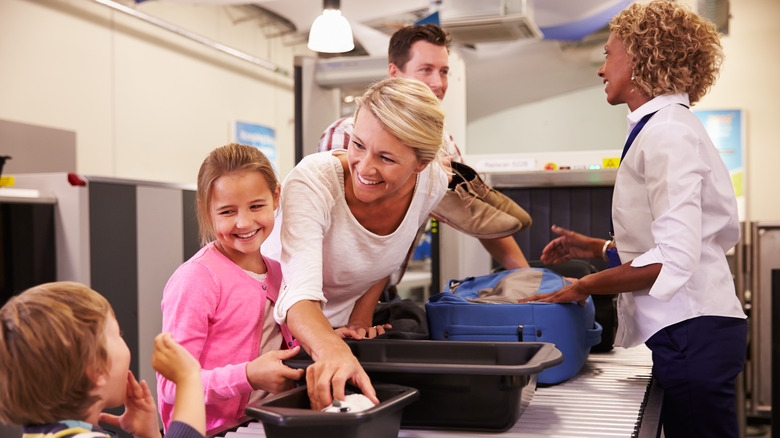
571 245
568 294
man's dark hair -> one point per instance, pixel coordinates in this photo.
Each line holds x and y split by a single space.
402 40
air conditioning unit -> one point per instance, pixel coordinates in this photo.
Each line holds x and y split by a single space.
470 21
349 71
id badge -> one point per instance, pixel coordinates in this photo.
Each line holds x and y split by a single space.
613 257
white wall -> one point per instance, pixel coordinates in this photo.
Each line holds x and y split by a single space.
577 121
749 81
144 102
583 120
148 104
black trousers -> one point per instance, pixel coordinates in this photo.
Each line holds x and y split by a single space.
696 362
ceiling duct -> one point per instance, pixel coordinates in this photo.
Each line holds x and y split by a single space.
350 71
470 21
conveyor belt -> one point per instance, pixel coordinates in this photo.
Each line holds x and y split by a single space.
612 396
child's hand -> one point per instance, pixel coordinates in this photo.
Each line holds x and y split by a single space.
140 416
176 364
268 373
172 360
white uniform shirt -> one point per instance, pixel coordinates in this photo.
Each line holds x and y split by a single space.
674 204
326 254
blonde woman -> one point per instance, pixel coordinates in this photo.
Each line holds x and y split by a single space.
675 217
349 219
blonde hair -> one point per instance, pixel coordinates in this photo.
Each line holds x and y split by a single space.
674 50
221 161
52 347
410 111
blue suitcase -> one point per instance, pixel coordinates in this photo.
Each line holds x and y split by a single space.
571 327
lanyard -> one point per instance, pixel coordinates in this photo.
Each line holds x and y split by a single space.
634 132
612 253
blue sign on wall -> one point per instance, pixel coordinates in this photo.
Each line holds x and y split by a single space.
259 136
725 128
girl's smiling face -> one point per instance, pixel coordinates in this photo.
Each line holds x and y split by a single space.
242 213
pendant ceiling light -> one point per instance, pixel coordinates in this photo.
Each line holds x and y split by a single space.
331 32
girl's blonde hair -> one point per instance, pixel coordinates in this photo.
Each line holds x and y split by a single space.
674 50
221 161
408 110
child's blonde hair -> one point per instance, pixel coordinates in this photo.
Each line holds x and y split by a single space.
221 161
52 348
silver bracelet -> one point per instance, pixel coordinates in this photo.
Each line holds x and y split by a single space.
604 250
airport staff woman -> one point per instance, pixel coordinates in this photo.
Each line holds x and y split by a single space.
675 217
349 219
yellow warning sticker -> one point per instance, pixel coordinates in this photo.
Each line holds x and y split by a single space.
610 162
6 181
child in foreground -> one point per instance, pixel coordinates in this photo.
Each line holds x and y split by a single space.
63 361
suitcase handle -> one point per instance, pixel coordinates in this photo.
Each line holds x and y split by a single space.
501 333
593 336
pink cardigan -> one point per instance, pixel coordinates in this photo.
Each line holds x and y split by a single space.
215 310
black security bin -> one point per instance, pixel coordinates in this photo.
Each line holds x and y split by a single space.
289 415
463 385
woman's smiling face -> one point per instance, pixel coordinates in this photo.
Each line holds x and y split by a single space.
380 164
617 72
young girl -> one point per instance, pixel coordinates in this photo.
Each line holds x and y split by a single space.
219 304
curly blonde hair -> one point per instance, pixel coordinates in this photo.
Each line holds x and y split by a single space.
674 49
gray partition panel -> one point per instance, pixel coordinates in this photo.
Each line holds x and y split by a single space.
114 254
190 221
159 254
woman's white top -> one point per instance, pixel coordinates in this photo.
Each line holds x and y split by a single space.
674 204
326 254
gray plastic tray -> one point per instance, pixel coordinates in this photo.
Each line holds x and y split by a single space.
463 385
